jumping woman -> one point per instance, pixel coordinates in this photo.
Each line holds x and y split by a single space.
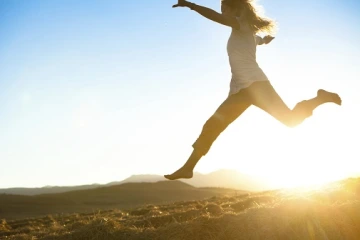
249 85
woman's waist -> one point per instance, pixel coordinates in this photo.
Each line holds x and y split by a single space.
242 58
248 71
244 65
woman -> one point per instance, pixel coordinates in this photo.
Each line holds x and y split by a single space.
249 85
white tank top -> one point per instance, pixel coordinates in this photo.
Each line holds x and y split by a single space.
241 50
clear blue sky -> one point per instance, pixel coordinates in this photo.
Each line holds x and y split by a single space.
95 91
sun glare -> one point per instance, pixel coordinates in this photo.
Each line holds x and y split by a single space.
283 157
308 158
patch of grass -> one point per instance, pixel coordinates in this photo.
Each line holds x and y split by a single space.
331 213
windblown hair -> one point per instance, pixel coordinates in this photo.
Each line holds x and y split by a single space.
251 11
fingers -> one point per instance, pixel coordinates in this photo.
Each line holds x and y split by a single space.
268 39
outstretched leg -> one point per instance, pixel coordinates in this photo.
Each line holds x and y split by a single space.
265 97
227 112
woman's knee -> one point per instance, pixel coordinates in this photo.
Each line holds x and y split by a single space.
217 122
288 119
291 123
302 111
294 117
213 127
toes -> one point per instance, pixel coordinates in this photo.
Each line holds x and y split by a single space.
336 99
339 101
168 177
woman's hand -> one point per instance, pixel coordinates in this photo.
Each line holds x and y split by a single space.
267 39
181 3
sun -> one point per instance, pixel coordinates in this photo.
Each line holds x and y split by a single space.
283 157
309 155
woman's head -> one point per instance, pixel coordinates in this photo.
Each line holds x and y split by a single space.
248 10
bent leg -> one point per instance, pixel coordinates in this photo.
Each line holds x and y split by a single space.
226 113
265 97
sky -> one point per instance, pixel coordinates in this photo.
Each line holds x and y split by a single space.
96 91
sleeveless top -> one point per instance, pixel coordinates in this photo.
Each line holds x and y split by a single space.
241 48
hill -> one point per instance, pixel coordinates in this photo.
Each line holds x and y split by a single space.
224 178
46 189
123 196
221 178
330 212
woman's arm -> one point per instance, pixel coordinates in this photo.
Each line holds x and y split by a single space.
265 40
259 40
210 14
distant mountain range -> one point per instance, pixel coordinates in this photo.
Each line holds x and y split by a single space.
221 178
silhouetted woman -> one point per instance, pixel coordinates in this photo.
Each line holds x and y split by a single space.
249 85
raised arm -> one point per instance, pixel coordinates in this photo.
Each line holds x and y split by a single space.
210 14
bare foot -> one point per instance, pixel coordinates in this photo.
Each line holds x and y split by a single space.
181 173
329 96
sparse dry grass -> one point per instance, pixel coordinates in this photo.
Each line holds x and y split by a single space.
332 212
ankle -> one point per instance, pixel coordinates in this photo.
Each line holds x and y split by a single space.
187 168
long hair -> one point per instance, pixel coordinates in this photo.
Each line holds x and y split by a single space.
251 11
